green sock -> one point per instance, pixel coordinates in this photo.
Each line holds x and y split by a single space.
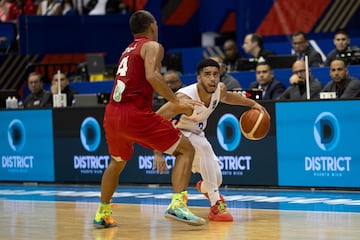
179 197
103 207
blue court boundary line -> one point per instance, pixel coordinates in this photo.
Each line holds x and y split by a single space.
272 199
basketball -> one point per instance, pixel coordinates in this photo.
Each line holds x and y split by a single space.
254 124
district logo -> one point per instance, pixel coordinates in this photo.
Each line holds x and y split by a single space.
16 135
326 131
90 134
228 132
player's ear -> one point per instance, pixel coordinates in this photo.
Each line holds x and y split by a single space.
153 27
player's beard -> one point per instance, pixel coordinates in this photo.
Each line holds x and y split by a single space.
207 88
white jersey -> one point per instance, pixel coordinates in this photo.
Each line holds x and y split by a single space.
196 123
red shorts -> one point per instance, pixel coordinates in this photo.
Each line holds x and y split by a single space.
126 124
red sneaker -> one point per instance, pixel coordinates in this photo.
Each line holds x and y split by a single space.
198 187
219 213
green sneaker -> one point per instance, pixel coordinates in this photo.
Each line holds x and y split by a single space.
103 218
178 210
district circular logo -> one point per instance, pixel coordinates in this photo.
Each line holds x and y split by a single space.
90 134
228 132
326 131
16 135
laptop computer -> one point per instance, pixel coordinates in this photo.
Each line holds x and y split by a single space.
245 64
281 61
95 64
85 100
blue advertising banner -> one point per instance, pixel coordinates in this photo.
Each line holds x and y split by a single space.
318 143
80 148
26 145
242 161
139 168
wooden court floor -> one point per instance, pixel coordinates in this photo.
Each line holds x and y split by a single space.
42 219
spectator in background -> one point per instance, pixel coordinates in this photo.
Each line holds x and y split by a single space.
253 45
8 11
67 8
49 8
38 97
230 82
232 55
341 83
297 90
99 8
65 88
300 43
28 7
265 80
172 79
116 7
342 48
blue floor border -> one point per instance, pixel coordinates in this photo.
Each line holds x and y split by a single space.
276 199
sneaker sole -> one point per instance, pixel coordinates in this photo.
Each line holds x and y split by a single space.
220 220
192 223
101 226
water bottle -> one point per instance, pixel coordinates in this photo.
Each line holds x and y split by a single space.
14 102
8 102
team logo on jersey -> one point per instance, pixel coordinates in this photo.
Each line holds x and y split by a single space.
16 135
326 131
228 132
214 104
90 134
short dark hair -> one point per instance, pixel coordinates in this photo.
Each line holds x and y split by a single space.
206 63
301 33
344 60
264 64
257 38
140 21
342 31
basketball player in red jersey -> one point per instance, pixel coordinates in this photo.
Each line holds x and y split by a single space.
129 118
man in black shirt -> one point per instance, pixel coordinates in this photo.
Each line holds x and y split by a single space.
65 88
342 84
253 45
232 55
343 49
39 97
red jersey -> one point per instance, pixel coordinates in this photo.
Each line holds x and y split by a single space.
130 81
129 117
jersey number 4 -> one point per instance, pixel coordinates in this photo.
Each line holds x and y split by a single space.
120 85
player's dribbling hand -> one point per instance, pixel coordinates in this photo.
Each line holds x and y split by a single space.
159 163
261 108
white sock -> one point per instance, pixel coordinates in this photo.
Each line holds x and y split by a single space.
214 196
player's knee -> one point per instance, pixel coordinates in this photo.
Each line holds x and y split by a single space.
185 149
188 148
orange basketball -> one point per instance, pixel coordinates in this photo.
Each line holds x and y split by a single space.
255 124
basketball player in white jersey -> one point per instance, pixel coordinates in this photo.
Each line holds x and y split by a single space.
210 91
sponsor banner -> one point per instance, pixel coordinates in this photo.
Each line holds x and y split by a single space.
318 145
80 148
242 161
139 168
26 145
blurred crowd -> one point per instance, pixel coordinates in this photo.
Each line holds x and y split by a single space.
10 10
